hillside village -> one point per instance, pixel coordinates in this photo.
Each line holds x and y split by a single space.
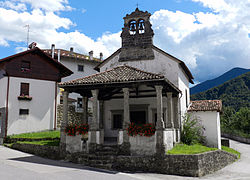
133 105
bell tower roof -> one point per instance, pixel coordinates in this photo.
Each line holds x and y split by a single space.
137 37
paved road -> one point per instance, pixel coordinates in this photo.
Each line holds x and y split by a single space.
15 165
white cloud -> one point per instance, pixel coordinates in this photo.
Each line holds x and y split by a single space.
13 5
209 43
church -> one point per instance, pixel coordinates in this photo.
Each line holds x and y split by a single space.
139 84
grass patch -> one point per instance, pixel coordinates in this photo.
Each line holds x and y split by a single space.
230 150
190 149
38 135
42 143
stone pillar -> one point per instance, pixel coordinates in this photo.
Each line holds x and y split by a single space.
64 123
170 110
160 147
93 126
85 110
159 123
125 146
101 122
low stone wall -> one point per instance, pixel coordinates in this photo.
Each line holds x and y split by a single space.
51 152
237 138
184 165
73 116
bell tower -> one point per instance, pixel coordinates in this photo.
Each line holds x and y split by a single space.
137 37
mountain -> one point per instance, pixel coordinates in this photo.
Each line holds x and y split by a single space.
234 93
233 73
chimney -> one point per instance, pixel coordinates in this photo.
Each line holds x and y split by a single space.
71 49
101 56
53 51
58 55
91 55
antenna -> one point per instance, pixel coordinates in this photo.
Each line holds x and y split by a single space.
137 5
28 33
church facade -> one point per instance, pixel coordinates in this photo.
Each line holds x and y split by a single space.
139 84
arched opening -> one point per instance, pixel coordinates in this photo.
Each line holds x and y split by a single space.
132 27
141 26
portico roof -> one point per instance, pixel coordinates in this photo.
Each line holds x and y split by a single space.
117 78
118 74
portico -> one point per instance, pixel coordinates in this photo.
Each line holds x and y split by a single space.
123 95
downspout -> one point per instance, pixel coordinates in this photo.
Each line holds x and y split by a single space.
55 105
7 104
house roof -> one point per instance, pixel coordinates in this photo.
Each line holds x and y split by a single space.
182 64
118 74
64 71
206 105
65 53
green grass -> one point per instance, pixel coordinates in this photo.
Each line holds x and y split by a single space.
38 135
190 149
42 143
230 150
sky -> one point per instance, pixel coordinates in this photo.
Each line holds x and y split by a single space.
210 36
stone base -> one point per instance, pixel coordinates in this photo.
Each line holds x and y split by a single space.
74 143
91 148
1 141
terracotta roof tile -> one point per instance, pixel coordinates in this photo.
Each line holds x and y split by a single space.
206 105
66 53
118 74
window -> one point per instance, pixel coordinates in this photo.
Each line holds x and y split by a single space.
24 90
80 68
23 111
117 121
79 102
25 65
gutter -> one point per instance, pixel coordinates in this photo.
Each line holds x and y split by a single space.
7 105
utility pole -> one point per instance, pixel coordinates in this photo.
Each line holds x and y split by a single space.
28 33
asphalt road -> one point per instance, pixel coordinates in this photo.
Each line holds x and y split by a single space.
15 165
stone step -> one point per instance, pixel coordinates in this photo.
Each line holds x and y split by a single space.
92 157
106 153
103 166
96 161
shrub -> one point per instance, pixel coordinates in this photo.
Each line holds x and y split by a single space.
192 130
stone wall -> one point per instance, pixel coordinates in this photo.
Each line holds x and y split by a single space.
184 165
2 124
51 152
73 116
237 138
142 145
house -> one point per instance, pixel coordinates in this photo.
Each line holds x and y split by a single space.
81 65
139 83
29 92
208 113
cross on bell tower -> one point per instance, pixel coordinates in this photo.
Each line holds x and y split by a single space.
137 37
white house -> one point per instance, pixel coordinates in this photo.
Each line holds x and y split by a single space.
138 83
81 65
208 113
29 92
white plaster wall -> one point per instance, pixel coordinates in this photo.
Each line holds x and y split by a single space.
72 64
162 64
183 84
3 91
211 122
117 104
41 107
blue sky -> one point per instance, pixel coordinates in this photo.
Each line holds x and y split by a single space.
210 36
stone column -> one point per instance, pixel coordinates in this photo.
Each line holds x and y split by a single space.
101 121
125 146
160 147
170 110
93 125
159 123
177 117
64 123
85 110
